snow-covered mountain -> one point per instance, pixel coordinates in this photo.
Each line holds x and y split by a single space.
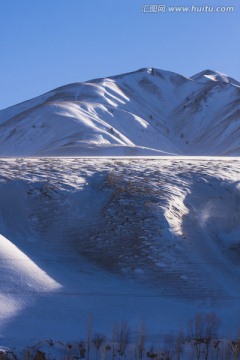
146 112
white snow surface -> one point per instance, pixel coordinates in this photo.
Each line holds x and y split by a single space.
143 113
153 240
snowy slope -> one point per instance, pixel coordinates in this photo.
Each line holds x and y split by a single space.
146 112
136 240
19 274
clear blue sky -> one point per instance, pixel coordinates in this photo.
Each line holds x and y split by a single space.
48 43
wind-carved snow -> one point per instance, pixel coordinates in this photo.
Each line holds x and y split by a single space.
26 273
121 239
176 210
146 112
21 278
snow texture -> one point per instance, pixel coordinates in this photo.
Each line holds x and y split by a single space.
152 240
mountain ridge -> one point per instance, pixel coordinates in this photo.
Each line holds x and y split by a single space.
144 112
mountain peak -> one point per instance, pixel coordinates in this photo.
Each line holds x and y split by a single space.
211 75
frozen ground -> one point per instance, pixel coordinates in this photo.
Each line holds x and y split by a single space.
153 240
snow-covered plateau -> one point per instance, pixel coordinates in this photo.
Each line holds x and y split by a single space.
153 240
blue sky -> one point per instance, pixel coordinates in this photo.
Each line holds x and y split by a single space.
49 43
